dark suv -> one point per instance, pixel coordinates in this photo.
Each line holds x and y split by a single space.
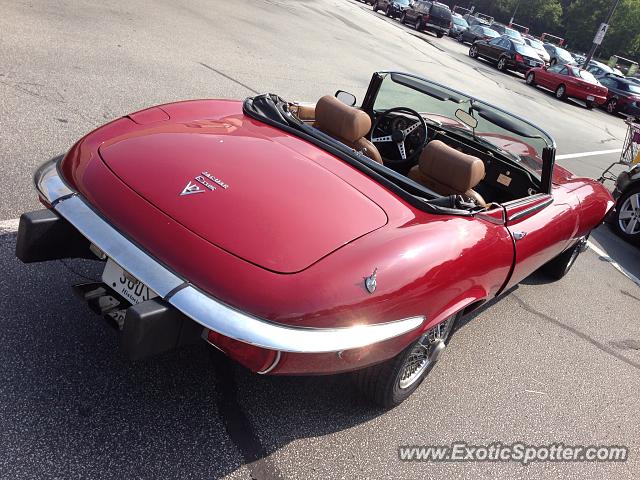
623 96
425 15
392 8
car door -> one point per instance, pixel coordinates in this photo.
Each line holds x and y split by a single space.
485 47
546 78
542 227
496 47
472 34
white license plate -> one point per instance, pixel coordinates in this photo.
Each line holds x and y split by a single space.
590 98
125 284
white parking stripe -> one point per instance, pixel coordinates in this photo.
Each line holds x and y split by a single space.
602 254
587 154
9 226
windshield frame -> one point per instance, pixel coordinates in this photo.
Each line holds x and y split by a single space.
370 98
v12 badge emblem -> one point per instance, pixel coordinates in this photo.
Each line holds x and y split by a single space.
192 188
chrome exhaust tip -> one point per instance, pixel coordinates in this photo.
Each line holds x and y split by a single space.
437 349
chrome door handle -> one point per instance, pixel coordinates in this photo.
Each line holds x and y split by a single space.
519 235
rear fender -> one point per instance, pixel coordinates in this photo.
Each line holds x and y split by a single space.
472 298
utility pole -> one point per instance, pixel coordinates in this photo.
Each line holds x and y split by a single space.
602 30
513 17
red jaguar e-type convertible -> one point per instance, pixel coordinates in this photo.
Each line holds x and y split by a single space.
312 239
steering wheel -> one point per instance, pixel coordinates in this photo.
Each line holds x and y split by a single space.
399 136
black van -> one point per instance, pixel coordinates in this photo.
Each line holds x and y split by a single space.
426 15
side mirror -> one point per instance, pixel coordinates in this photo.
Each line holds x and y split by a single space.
346 97
466 118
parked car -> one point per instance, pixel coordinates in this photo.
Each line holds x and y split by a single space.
558 55
460 25
504 30
200 237
579 58
506 53
599 69
538 46
477 32
432 16
626 217
392 8
473 20
623 96
568 81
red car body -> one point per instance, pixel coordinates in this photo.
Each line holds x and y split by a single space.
568 76
289 233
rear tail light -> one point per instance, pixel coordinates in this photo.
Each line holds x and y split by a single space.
519 58
254 358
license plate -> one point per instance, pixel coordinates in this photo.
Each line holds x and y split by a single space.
125 284
591 98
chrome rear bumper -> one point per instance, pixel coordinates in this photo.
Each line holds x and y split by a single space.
194 303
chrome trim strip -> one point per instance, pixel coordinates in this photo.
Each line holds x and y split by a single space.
275 363
248 329
133 259
212 313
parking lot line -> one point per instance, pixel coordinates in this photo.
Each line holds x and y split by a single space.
603 255
9 226
587 154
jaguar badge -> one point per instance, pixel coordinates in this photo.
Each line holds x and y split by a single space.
370 282
191 188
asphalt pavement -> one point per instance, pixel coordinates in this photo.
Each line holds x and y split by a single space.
547 362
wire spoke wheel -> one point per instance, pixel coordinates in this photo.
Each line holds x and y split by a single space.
419 360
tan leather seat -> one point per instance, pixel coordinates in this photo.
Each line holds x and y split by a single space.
447 171
346 124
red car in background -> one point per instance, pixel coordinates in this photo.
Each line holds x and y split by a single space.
569 81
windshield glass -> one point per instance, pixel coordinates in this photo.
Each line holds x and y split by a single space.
537 44
525 50
630 87
587 76
513 33
403 2
564 55
461 22
489 32
498 130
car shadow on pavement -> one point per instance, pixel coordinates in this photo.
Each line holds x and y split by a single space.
68 396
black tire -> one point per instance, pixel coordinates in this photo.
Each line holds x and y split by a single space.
388 11
589 105
531 79
473 51
419 24
403 18
612 106
561 92
375 6
381 383
460 38
617 223
560 266
502 64
439 34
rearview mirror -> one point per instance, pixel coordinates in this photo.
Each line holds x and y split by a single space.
346 97
466 118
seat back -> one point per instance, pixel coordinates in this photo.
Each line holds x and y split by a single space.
447 171
346 124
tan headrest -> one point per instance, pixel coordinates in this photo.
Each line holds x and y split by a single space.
449 167
340 120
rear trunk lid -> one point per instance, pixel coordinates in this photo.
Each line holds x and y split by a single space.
245 187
